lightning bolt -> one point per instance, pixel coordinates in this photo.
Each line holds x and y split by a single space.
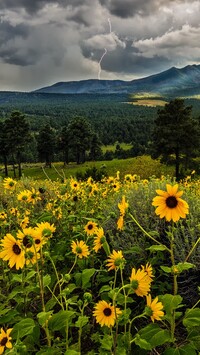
105 51
103 55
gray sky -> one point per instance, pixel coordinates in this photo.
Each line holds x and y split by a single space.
46 41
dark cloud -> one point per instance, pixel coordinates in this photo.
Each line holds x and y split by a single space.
9 32
31 6
129 8
127 60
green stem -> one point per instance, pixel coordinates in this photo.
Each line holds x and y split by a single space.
191 251
143 315
125 297
147 234
175 284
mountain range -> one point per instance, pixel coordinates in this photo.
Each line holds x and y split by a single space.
173 81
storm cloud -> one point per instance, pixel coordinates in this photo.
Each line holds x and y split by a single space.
45 41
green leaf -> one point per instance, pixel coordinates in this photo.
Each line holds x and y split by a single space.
166 269
142 343
86 275
184 266
23 328
107 342
194 337
192 318
105 288
72 352
46 280
154 335
82 320
30 275
183 350
43 317
157 248
60 319
170 302
17 278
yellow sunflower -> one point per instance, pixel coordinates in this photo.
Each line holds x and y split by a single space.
5 340
148 269
90 228
140 282
123 205
33 196
3 215
45 229
154 308
120 222
12 252
74 184
38 240
24 222
32 256
105 313
80 249
27 237
115 260
9 184
169 204
23 196
99 239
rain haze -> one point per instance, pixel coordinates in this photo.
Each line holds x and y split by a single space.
46 41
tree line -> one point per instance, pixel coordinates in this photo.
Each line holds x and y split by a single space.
174 139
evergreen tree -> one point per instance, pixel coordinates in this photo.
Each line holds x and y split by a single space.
4 148
46 142
63 144
80 135
175 134
17 133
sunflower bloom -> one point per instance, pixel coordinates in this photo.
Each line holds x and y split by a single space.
99 239
140 282
105 313
9 184
23 196
12 252
120 222
27 237
148 269
91 228
169 204
123 205
115 260
154 308
80 249
5 340
45 229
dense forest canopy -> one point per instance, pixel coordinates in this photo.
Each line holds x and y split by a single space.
113 120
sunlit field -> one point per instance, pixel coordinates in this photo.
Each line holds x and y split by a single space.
107 267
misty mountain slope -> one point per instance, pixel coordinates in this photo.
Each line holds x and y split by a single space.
167 82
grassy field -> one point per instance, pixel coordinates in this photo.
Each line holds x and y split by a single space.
112 147
143 166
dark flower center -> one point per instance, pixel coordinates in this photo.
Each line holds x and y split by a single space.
75 198
107 312
26 242
75 185
78 250
171 202
3 341
16 249
37 241
90 226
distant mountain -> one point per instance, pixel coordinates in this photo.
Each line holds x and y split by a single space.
171 82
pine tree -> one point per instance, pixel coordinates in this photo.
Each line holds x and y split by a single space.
175 134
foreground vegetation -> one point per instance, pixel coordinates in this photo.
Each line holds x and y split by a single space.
143 166
91 268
